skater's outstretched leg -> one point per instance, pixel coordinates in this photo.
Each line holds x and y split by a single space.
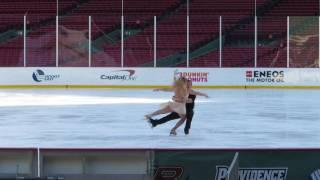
171 116
160 111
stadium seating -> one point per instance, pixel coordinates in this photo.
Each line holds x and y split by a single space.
296 8
272 33
238 29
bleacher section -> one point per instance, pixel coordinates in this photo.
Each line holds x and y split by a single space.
237 26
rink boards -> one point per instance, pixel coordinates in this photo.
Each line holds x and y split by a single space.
159 77
158 164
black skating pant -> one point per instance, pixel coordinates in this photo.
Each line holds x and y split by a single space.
173 116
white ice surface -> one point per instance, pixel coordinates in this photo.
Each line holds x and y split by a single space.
113 118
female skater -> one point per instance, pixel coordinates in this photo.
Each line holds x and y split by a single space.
178 103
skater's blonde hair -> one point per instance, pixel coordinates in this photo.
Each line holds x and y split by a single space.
180 86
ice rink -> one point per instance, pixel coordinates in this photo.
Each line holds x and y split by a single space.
113 118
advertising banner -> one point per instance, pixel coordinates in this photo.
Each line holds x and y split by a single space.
253 165
150 77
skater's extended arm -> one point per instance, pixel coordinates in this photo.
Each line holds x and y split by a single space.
197 93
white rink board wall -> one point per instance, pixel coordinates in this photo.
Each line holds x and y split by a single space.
148 77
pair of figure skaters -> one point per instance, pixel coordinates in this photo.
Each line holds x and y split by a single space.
181 106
